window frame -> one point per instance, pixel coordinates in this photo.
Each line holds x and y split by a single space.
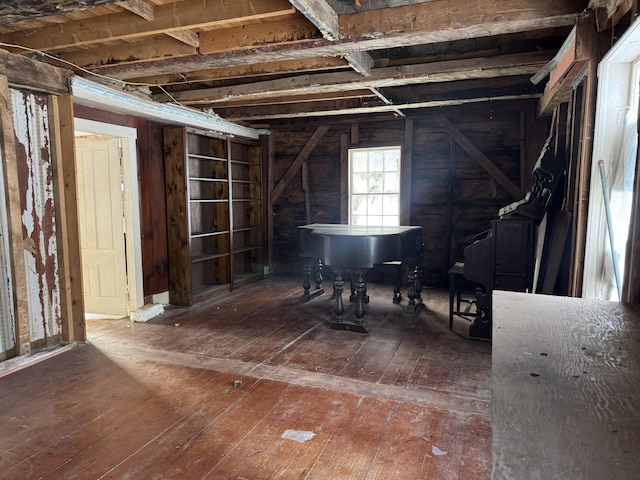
398 171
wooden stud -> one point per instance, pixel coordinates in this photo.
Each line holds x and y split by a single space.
405 176
344 176
68 229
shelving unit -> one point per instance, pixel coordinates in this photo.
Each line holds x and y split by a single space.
214 212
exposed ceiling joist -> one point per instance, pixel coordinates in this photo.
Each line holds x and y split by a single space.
517 64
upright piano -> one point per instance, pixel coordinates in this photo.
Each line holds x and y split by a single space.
353 250
503 257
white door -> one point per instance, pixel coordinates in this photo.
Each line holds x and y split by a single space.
101 220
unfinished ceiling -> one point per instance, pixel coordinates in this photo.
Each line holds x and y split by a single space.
255 61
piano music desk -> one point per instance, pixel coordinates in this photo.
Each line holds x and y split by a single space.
565 388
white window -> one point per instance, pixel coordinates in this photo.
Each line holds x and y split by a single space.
374 186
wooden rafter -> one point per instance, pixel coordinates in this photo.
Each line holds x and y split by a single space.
517 64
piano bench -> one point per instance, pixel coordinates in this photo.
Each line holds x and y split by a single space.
457 285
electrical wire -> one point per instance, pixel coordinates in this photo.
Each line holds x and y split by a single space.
98 75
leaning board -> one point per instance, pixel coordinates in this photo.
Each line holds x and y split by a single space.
565 388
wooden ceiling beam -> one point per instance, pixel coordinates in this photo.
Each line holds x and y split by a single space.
253 70
472 19
130 52
297 99
347 107
292 29
12 11
185 15
505 65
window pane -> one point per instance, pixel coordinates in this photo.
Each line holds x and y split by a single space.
359 204
392 160
390 221
374 186
375 205
360 183
376 161
359 162
391 182
376 183
391 204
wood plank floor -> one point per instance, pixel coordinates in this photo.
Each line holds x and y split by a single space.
410 400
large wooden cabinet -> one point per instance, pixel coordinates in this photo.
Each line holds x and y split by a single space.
214 194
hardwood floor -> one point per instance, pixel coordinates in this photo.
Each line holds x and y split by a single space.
216 391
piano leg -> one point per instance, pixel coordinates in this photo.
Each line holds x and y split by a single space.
319 278
338 307
397 296
306 281
415 287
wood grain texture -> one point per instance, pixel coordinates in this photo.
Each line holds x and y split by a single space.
565 388
158 400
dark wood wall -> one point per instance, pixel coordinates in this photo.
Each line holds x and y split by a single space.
153 219
452 197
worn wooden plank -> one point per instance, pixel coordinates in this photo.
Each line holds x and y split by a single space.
21 71
293 28
565 371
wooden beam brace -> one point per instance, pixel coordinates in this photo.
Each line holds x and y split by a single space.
291 29
297 162
475 153
142 8
321 14
188 37
361 62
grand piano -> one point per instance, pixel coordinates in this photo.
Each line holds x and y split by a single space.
353 250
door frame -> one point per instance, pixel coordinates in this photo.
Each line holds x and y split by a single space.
133 241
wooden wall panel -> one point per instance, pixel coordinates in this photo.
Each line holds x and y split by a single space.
452 196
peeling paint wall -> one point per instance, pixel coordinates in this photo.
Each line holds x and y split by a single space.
7 312
35 173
